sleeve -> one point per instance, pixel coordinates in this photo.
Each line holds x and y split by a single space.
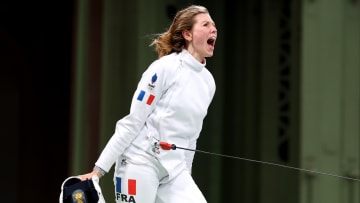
150 88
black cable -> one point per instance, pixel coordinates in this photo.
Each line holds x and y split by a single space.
167 146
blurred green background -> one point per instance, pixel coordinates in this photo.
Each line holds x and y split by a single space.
287 75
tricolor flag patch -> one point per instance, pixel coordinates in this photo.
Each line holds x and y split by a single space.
149 98
131 186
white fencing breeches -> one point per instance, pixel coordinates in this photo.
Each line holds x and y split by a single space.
149 183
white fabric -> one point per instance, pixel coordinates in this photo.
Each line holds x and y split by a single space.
183 91
153 185
95 179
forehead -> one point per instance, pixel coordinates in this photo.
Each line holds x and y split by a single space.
203 17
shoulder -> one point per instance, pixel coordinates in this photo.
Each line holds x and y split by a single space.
165 64
163 70
210 79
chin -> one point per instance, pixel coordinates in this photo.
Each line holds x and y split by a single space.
210 54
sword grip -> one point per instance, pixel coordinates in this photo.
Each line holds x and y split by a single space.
167 146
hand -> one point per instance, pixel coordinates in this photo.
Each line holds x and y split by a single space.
90 175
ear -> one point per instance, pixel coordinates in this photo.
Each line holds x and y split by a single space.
187 35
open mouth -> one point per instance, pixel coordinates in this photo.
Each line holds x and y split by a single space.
211 41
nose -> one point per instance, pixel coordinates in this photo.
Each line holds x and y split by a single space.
214 30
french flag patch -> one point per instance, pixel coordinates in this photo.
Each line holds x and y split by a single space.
143 96
131 186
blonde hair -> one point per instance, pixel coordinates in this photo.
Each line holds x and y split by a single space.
172 40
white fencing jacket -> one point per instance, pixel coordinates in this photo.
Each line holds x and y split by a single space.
169 104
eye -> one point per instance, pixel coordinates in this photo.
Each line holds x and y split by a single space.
209 24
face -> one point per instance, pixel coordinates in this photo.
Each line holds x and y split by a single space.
201 38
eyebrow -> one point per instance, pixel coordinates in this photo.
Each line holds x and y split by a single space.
207 21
